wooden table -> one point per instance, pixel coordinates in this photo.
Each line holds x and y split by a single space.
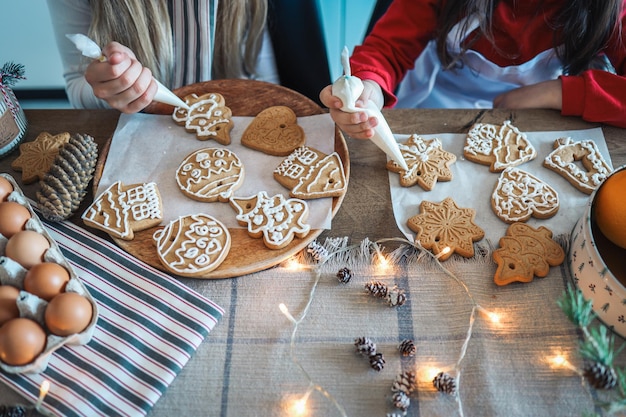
365 213
368 196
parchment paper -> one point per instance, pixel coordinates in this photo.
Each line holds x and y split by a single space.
472 185
150 148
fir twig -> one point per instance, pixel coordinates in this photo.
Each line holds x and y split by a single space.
10 73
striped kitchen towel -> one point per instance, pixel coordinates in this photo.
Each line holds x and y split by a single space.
149 326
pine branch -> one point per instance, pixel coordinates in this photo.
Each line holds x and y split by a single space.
10 73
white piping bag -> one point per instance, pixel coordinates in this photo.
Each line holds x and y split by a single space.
90 49
348 88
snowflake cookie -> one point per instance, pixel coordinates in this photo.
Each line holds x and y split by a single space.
427 162
445 225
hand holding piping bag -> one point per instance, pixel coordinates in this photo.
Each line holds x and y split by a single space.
348 88
90 49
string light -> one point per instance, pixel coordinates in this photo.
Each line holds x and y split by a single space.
43 391
300 405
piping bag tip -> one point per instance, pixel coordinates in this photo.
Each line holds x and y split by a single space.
91 49
164 95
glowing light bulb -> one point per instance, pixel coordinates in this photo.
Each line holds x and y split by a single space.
429 373
43 391
299 407
443 252
494 317
285 311
382 262
293 265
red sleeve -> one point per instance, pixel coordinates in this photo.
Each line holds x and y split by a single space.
394 44
596 96
600 96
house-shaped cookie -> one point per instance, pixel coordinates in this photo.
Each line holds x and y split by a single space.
122 210
310 174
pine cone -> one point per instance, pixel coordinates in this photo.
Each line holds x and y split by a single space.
407 347
365 346
600 376
376 288
65 185
405 382
344 275
12 411
401 400
377 362
396 297
445 383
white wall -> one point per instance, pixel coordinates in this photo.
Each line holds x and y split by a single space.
345 22
26 37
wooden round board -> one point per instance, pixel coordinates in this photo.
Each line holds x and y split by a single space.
244 98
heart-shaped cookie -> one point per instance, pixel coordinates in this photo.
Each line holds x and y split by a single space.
274 131
519 195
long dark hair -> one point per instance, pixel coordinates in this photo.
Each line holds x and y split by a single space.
582 28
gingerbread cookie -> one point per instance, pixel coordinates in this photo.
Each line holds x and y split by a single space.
192 245
526 252
309 174
274 131
427 162
445 225
499 146
276 219
568 156
519 195
208 117
210 175
122 210
36 157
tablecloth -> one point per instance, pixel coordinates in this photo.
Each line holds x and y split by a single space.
250 367
149 326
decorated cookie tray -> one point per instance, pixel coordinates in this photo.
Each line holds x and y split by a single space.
31 306
247 100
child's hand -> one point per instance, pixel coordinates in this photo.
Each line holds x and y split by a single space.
121 80
543 95
357 125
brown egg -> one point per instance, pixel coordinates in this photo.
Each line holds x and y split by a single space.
27 248
68 313
13 217
45 280
21 341
5 188
8 303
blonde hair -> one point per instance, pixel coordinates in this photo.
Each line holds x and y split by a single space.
144 27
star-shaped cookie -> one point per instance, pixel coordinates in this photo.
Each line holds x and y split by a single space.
445 225
427 162
36 157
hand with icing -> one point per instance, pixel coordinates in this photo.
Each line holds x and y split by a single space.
357 111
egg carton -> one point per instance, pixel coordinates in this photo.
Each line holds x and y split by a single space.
33 307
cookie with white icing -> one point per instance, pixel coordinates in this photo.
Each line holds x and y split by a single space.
310 173
499 146
519 196
210 174
275 219
208 117
192 245
122 209
579 162
428 163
